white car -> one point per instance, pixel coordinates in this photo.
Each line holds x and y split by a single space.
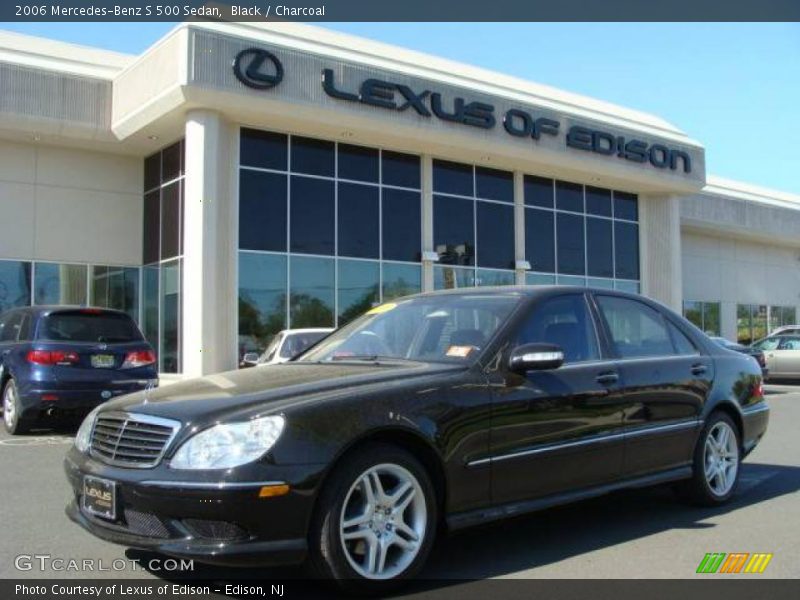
787 330
285 345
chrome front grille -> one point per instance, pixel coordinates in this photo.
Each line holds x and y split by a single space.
131 440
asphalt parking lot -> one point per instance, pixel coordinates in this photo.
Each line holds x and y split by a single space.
638 534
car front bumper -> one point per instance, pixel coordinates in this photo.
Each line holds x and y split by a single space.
195 515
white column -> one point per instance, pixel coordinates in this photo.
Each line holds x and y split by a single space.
210 239
427 223
660 249
727 320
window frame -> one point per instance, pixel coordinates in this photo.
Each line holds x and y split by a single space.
664 318
510 336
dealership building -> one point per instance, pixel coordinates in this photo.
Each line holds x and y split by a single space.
238 179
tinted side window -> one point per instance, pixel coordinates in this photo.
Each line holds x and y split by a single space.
683 345
636 329
565 322
25 329
790 344
11 327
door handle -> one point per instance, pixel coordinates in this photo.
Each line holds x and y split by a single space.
699 369
607 378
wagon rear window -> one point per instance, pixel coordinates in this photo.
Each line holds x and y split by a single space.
89 327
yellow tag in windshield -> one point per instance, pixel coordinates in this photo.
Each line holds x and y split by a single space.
381 309
459 351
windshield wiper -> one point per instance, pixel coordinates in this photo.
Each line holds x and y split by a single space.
369 357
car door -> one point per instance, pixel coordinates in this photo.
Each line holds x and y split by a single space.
769 346
559 429
787 357
664 379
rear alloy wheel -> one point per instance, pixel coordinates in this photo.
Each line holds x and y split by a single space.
376 520
716 462
721 458
11 410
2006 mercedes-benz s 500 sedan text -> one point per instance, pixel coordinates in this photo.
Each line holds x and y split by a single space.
445 409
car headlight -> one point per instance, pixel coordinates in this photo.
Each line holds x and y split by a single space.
84 435
229 444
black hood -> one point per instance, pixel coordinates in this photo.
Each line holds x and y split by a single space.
272 388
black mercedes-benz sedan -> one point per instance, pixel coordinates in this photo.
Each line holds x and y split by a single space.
440 410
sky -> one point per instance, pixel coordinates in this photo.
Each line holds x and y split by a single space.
733 87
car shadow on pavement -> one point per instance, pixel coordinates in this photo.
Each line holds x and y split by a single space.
552 535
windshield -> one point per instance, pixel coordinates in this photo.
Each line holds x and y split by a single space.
445 328
88 326
272 347
297 343
767 344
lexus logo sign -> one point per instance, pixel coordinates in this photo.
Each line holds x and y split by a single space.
257 68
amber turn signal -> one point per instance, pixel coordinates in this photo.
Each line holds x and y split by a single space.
270 491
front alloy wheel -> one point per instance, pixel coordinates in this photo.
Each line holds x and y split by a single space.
375 521
383 520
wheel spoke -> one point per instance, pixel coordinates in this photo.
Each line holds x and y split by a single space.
355 528
405 544
358 534
356 521
377 486
372 554
383 550
403 528
722 440
722 479
369 492
403 501
398 493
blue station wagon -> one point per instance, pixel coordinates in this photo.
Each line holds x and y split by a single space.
57 363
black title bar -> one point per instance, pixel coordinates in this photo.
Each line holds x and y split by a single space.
401 10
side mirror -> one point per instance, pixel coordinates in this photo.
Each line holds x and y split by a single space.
535 357
250 359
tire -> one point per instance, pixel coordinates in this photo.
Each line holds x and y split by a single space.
716 463
368 546
11 409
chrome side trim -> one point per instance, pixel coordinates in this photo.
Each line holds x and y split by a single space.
201 485
547 448
752 410
611 437
660 428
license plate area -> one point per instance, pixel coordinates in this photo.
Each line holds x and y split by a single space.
100 497
103 361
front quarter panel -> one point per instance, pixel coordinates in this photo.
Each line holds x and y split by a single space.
446 417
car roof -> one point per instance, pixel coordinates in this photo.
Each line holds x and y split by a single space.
46 309
530 291
308 330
